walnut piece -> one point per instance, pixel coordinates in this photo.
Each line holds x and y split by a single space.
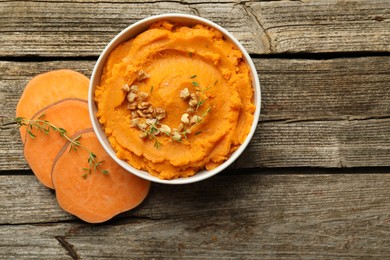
195 119
185 118
142 75
126 87
131 97
160 113
185 94
143 96
134 88
165 129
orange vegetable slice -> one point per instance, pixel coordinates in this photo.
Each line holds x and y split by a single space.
40 151
49 87
96 197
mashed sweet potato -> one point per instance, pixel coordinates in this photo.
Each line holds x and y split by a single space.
175 100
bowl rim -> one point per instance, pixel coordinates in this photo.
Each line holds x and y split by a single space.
130 32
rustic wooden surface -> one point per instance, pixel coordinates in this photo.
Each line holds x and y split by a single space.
80 28
314 182
268 214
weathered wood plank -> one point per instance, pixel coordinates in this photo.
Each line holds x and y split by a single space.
302 88
340 143
323 26
28 201
290 87
328 113
43 244
328 143
248 215
76 28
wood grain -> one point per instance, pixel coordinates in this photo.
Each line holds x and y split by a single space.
325 113
273 214
323 105
14 77
291 88
322 26
77 28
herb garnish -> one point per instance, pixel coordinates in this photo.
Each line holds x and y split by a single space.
147 119
150 131
44 126
194 83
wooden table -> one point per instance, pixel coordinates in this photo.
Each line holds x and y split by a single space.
313 183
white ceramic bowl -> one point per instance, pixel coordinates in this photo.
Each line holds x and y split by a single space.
131 32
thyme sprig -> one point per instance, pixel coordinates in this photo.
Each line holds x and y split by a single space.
149 125
188 128
94 165
150 132
200 93
200 120
44 126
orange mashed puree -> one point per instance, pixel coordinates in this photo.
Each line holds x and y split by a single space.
167 63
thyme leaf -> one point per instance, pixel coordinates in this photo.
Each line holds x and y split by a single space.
151 133
195 83
199 132
44 126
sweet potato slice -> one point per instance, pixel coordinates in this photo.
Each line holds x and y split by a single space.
96 197
47 88
40 152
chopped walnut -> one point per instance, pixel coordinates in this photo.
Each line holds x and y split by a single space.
134 88
185 94
132 106
141 114
143 135
131 97
143 105
134 114
147 115
193 100
160 113
134 122
142 75
165 129
193 96
143 96
176 136
151 121
126 87
150 110
192 103
147 118
195 119
143 126
185 118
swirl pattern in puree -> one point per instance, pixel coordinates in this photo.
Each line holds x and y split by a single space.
162 62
